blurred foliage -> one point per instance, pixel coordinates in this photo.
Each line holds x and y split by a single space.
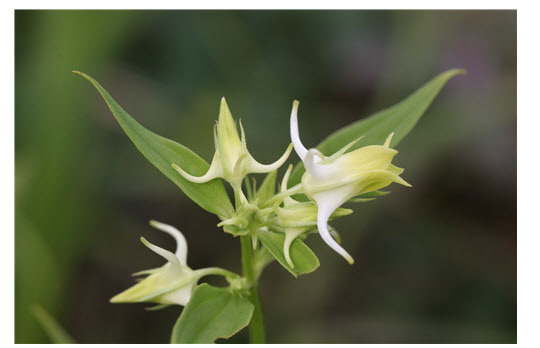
84 194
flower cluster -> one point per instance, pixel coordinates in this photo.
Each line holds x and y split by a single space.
328 183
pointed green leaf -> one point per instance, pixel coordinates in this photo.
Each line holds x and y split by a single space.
55 332
303 258
267 188
162 152
211 313
400 118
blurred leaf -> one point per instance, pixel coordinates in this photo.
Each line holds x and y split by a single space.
400 119
55 332
162 152
303 258
211 313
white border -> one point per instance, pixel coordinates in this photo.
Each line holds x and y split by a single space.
528 124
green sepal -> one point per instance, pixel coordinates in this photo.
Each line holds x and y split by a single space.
235 230
373 194
157 307
303 258
360 200
211 313
163 152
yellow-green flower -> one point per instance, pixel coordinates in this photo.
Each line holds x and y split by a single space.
172 283
332 181
232 161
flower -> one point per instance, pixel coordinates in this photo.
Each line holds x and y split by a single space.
297 218
332 181
169 284
232 161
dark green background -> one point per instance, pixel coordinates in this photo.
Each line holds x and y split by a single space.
434 263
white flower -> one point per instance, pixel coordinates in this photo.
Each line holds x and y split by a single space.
232 161
331 181
296 218
169 284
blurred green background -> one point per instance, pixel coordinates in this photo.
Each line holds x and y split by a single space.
435 263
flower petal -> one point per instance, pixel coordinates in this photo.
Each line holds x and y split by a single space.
290 235
256 167
227 131
327 202
181 243
336 155
166 254
317 171
215 171
295 135
388 140
372 157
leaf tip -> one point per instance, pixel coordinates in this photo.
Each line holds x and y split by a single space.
456 71
79 73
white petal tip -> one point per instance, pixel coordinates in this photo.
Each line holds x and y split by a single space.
291 265
210 175
295 134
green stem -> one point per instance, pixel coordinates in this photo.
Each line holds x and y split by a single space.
292 191
216 271
256 327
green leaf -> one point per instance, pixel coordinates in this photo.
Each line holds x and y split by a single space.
303 258
55 332
267 188
400 119
211 313
162 152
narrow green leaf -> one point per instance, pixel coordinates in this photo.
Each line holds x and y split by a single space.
267 188
162 152
55 332
211 313
400 119
303 258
